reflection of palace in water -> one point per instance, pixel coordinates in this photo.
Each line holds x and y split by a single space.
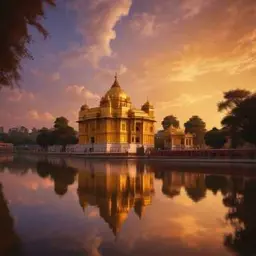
115 191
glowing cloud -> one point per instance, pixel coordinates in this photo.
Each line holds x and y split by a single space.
35 115
97 20
182 100
18 95
81 91
145 24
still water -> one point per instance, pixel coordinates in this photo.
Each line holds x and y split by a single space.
53 206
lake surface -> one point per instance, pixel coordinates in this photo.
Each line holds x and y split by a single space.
54 206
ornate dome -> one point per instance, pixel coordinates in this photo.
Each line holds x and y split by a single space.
147 104
116 92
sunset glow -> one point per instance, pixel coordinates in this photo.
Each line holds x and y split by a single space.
180 54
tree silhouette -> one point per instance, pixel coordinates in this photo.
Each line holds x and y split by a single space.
62 175
10 243
15 18
233 100
195 125
170 120
215 138
242 212
216 183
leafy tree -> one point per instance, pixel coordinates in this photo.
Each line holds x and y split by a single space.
195 125
33 135
170 120
44 138
60 122
244 115
230 126
15 18
63 134
19 136
232 99
215 138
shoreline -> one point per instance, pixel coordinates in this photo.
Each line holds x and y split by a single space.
138 157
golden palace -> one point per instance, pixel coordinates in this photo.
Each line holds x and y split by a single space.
116 126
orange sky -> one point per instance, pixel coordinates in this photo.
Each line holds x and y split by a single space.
181 54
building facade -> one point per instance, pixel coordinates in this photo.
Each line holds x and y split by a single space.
174 139
115 125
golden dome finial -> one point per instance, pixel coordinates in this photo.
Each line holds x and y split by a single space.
116 84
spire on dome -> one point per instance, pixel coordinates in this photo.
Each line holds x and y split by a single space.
115 84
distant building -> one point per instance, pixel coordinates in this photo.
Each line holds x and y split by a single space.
174 139
116 126
1 129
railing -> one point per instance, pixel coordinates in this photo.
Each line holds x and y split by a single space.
207 153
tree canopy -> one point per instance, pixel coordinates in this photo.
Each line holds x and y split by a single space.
44 138
240 121
215 138
170 120
15 18
61 122
19 136
244 116
195 125
61 134
232 99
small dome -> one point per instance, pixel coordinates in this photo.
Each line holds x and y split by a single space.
147 105
116 92
84 107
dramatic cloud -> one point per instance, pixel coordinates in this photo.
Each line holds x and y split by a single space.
17 95
81 91
97 20
145 24
35 115
178 53
53 77
182 101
